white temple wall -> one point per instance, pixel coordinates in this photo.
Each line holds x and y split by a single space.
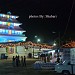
2 51
13 51
18 50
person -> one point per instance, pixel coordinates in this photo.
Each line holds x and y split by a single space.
21 60
13 61
24 61
58 60
17 62
44 59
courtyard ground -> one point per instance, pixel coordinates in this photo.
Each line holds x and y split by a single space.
6 68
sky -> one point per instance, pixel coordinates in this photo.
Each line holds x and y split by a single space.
43 27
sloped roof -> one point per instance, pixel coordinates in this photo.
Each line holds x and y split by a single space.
29 43
69 45
37 44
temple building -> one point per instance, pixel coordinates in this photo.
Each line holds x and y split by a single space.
9 29
10 36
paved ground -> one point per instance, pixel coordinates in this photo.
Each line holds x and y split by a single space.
6 68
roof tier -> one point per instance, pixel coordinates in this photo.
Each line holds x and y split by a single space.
69 45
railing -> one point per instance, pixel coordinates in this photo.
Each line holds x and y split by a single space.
4 34
14 27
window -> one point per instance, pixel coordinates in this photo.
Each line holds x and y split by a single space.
20 32
6 31
13 32
0 30
4 23
3 31
0 22
10 32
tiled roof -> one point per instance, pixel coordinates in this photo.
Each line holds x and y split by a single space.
26 44
69 45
